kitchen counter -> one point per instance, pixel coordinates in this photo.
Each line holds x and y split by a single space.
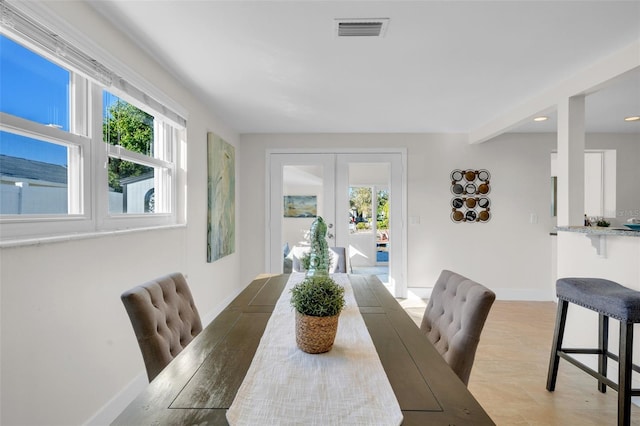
590 251
597 230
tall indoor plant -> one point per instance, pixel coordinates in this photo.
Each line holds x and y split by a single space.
319 258
318 299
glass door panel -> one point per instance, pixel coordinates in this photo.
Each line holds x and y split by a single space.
369 189
302 189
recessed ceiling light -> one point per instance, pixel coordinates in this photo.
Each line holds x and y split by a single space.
541 118
632 118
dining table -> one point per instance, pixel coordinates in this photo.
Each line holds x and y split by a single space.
199 386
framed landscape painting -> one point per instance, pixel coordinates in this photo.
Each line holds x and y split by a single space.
300 206
221 207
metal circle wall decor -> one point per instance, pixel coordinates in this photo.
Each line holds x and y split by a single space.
470 203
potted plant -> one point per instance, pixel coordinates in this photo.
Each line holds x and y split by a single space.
318 301
319 253
305 260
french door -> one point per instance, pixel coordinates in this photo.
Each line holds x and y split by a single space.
304 185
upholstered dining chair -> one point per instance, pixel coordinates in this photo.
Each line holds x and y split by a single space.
454 318
164 319
338 260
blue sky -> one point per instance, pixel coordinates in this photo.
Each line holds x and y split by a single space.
33 88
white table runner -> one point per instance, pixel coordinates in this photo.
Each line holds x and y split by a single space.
345 386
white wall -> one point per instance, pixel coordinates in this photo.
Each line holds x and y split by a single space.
509 253
67 345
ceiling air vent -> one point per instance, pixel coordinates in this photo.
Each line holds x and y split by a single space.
372 27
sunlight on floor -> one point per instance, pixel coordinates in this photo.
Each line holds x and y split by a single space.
412 301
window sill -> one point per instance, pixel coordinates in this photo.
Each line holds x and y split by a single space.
35 241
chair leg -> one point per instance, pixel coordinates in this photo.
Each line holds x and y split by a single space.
554 360
603 347
624 373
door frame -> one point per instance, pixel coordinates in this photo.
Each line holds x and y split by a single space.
399 249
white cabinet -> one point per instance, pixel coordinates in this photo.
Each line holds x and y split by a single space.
594 184
599 182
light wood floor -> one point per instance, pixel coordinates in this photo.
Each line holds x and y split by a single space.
510 371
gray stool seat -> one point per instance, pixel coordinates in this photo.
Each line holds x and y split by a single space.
608 299
603 296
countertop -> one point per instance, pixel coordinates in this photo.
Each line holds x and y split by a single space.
598 230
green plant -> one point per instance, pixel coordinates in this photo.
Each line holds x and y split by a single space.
305 260
131 128
603 222
318 296
319 254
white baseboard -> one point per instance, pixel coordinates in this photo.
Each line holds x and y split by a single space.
528 295
421 292
108 413
524 295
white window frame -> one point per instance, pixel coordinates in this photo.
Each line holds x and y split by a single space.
88 157
77 219
163 162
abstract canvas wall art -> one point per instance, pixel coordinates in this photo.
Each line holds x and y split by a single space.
221 187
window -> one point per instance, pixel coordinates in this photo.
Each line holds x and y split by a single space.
137 163
33 88
39 156
360 202
81 148
33 176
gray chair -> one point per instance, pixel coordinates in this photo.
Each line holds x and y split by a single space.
338 259
164 319
454 318
610 300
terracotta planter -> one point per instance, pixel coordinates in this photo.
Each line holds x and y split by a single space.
315 335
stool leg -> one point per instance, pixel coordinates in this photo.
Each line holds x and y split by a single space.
624 373
554 360
603 347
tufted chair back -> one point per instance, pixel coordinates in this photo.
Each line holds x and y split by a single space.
164 319
454 318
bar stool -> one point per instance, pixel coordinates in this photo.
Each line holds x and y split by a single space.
609 299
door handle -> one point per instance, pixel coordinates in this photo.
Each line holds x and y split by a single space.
329 235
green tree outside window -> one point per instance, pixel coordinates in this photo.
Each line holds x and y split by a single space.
131 128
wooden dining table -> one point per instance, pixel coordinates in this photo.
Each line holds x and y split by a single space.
199 385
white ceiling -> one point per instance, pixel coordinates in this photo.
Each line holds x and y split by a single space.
442 66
